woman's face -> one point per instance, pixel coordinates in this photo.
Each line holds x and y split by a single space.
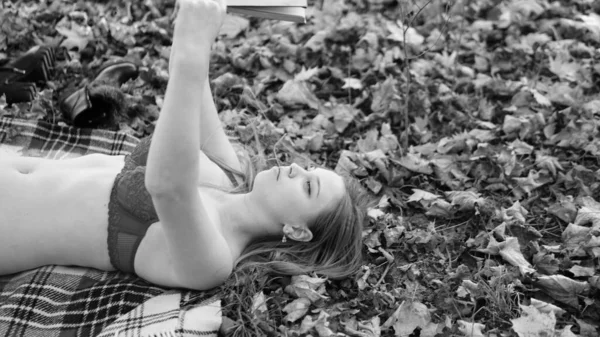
297 196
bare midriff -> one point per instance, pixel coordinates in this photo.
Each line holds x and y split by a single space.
56 211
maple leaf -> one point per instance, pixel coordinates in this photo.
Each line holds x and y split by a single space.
304 286
592 22
579 271
316 41
409 316
466 200
545 263
294 92
343 115
77 36
296 309
516 212
383 95
534 180
562 288
546 308
589 213
586 329
550 163
510 250
573 237
422 195
563 67
259 306
470 329
415 163
398 33
533 322
234 25
352 83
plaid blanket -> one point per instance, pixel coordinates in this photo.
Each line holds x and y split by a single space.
61 301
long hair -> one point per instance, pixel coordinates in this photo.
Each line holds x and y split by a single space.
335 250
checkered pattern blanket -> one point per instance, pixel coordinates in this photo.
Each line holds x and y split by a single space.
61 301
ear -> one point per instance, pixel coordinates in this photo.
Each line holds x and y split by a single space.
297 232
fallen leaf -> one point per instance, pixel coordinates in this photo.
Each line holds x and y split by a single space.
510 251
419 195
76 36
259 305
352 83
589 213
399 33
408 317
415 163
296 309
545 307
592 22
343 115
533 322
466 200
562 288
566 332
586 329
470 329
579 271
533 181
233 25
573 237
549 163
294 93
303 286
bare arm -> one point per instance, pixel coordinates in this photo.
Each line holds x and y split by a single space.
214 141
200 255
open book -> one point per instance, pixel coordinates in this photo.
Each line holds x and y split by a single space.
286 10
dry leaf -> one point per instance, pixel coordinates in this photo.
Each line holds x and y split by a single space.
579 271
534 323
586 329
408 317
466 200
415 163
312 288
233 25
510 251
259 305
470 329
566 332
546 307
294 93
296 309
563 289
421 195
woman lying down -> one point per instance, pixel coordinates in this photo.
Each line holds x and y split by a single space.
183 209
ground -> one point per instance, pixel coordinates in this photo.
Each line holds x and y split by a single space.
474 124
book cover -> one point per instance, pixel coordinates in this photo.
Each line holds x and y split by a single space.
293 14
286 10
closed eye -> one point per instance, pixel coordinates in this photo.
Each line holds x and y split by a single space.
309 189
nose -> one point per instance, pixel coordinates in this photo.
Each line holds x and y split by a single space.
295 169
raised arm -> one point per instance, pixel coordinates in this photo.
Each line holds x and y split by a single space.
214 141
200 255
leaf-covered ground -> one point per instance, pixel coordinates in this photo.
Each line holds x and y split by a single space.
474 123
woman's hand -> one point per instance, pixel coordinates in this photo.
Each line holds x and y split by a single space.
197 25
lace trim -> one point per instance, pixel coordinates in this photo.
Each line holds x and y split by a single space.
114 218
